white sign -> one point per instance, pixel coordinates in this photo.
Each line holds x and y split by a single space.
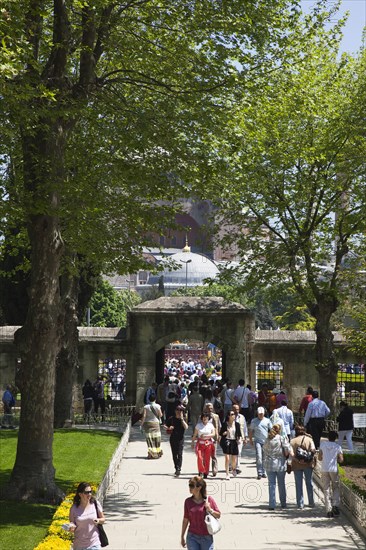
359 420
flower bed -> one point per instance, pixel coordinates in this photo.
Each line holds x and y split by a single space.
57 538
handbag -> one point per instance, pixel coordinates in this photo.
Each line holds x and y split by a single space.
213 525
302 454
102 534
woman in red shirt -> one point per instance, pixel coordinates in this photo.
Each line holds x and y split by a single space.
196 507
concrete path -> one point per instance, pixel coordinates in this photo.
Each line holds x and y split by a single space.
144 507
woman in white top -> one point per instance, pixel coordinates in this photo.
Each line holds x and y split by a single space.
203 435
151 420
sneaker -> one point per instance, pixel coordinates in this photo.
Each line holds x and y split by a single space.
214 474
264 476
259 477
330 515
205 476
238 471
270 508
234 473
227 478
335 511
177 473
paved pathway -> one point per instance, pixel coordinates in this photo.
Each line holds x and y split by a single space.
144 507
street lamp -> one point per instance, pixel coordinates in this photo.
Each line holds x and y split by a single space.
186 262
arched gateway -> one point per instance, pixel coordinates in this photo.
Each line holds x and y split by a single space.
152 325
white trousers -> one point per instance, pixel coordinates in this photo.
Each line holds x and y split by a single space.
330 482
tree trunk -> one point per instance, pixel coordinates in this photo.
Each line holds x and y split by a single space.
67 359
33 476
326 366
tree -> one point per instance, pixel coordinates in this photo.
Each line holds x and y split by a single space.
295 186
102 103
109 307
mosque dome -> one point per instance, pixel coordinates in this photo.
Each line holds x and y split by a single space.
190 269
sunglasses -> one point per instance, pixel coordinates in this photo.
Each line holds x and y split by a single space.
193 486
232 414
88 492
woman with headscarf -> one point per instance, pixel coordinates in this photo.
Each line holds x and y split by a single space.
150 422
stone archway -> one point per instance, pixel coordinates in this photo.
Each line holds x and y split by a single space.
154 324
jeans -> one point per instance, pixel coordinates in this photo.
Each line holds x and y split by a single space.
308 474
259 457
199 542
280 477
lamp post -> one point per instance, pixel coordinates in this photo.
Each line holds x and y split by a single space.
186 262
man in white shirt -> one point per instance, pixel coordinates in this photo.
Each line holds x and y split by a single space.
240 397
314 420
330 453
240 418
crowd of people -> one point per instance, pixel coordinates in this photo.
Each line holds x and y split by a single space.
232 416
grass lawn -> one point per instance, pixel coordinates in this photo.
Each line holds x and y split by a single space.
79 455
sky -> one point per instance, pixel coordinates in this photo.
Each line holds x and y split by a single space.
352 32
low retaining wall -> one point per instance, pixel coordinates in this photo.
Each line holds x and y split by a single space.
114 463
353 506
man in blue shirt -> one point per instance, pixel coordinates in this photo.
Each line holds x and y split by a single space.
314 420
259 428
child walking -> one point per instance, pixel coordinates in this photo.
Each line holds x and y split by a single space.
330 453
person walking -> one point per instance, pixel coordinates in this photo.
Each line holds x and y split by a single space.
314 420
85 514
215 419
203 441
240 397
230 436
302 469
196 507
276 450
8 404
88 397
195 406
306 400
258 429
240 419
330 455
150 422
227 397
176 426
287 417
345 425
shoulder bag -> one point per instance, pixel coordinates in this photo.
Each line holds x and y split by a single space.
102 534
213 525
155 413
302 454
